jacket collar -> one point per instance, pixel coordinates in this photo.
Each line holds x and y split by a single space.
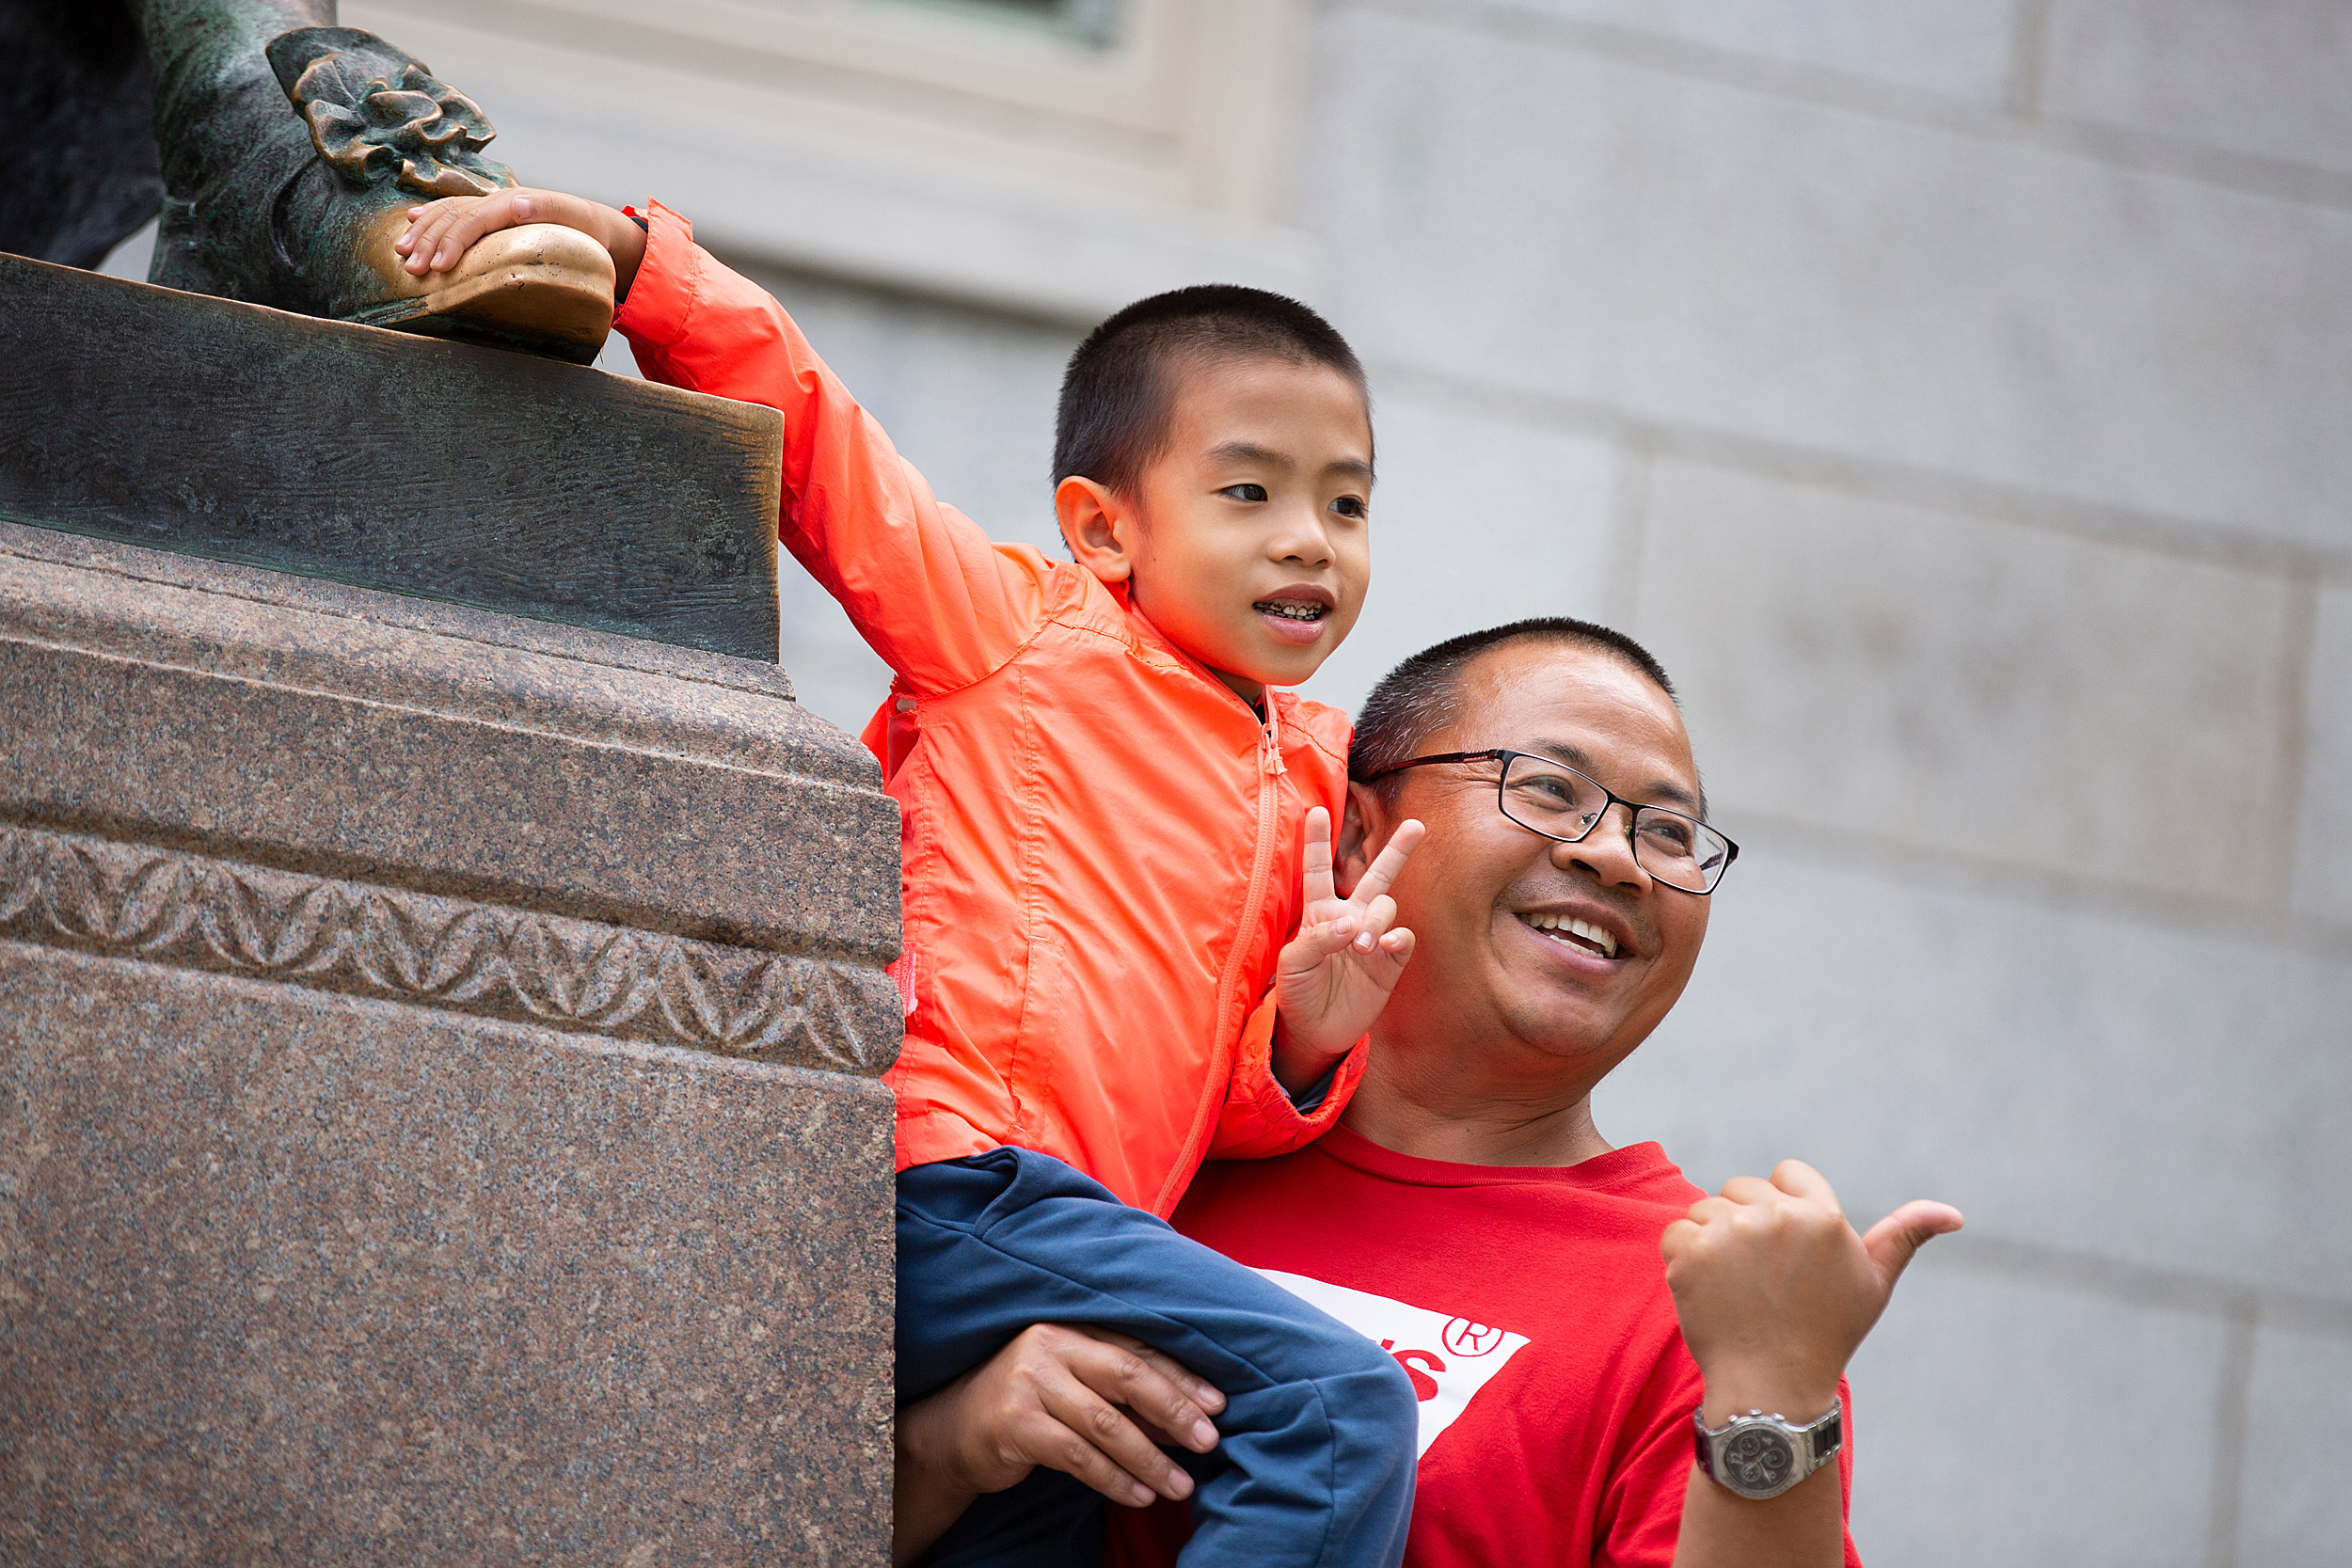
1150 636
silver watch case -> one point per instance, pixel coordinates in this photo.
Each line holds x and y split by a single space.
1759 1456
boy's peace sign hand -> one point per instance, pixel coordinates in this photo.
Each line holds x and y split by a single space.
1335 976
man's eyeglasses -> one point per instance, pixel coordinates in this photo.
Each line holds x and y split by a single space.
1555 799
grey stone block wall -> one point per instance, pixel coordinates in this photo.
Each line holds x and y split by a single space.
1955 393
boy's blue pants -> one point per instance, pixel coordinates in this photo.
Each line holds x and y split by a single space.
1316 1464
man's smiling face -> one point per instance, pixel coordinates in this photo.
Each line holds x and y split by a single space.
1558 956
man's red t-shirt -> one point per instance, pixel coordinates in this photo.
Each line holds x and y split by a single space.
1529 1308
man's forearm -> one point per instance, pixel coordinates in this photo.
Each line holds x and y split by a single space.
925 1497
1802 1527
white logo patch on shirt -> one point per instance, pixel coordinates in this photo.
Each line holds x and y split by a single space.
1448 1359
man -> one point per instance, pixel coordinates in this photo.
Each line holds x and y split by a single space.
1469 1215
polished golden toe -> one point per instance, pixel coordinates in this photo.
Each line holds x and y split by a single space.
539 285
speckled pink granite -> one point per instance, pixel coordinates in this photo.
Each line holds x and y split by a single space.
437 1105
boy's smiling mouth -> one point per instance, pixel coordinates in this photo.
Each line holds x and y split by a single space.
1296 614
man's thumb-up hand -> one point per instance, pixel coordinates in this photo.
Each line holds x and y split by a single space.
1775 1291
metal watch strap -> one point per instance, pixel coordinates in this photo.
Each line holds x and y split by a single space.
1768 1472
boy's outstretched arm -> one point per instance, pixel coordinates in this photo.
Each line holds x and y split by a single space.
922 583
1334 977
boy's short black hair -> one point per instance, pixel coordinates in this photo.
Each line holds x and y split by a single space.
1117 396
1424 694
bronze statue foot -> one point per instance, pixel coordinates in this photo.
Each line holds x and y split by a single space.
389 135
292 151
538 285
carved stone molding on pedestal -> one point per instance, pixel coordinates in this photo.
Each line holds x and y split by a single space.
190 911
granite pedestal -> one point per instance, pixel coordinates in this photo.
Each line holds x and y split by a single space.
439 1048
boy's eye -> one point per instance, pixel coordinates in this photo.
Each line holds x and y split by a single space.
1350 506
1244 492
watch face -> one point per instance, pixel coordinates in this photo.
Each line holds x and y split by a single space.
1757 1460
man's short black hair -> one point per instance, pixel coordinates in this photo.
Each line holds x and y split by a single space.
1424 694
1118 395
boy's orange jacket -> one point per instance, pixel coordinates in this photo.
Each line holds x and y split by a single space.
1102 841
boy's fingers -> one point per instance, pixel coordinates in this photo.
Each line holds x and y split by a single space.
1316 856
1317 943
469 218
1379 916
425 223
1381 874
432 235
458 235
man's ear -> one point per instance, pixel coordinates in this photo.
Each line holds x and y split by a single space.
1099 527
1363 829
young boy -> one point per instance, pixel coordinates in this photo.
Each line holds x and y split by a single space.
1103 798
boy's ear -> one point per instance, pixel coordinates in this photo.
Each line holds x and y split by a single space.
1363 829
1099 527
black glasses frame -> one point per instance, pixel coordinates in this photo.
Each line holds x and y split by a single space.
1633 809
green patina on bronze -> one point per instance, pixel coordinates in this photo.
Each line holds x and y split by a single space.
379 117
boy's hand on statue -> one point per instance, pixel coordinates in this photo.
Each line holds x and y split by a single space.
1775 1291
1088 1402
439 232
1334 977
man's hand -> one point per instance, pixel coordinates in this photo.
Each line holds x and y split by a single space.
1334 977
1775 1291
1085 1401
441 232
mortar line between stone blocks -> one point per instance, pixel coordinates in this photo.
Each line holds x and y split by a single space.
1848 850
2296 656
1959 495
2235 1395
1628 524
2028 53
2110 146
2139 1284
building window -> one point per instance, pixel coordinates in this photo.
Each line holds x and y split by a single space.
1087 22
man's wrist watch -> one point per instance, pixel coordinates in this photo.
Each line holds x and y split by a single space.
1760 1456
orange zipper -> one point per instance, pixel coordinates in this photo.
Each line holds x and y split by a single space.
1221 1051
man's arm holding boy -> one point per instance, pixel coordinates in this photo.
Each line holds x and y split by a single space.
924 585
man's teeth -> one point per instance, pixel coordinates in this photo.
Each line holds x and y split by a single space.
1295 609
1569 927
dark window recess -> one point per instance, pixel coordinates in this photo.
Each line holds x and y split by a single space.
1090 22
